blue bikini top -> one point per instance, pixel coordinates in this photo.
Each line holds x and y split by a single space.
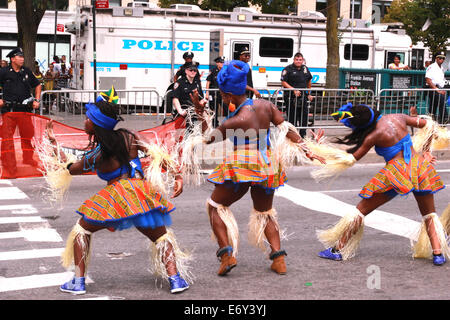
135 165
404 145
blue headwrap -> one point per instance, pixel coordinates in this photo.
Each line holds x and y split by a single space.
98 118
232 78
346 121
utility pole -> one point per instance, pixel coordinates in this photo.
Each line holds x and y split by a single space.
56 27
95 43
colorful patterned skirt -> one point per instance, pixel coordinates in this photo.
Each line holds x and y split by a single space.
248 165
397 177
127 203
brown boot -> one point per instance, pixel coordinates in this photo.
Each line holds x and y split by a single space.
278 264
227 261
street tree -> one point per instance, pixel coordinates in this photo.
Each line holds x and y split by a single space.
427 21
332 75
29 14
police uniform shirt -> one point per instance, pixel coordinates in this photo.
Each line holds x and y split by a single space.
436 74
249 77
183 88
297 78
17 85
212 78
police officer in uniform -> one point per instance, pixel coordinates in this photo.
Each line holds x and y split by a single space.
435 79
17 82
244 56
188 57
215 99
181 92
297 75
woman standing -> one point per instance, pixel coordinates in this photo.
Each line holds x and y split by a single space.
250 166
127 200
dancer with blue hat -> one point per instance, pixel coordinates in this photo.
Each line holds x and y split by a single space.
128 200
251 165
406 171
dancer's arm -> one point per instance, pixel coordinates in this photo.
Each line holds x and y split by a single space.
368 143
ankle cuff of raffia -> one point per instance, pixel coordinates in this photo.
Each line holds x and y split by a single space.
221 251
277 254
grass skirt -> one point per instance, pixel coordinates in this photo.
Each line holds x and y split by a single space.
127 203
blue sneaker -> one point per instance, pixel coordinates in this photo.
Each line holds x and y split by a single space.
438 260
74 286
177 284
328 254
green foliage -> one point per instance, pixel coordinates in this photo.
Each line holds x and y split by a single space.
414 13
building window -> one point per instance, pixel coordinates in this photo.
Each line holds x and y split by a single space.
359 52
4 4
115 3
357 8
379 10
321 6
276 47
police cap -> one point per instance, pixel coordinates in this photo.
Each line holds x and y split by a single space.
220 59
244 50
188 54
15 52
192 66
440 54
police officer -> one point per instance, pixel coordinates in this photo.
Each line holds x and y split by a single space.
17 82
297 75
244 56
215 99
188 57
435 79
183 88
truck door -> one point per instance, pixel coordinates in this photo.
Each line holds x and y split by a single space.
389 57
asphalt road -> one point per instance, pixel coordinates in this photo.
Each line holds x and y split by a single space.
382 269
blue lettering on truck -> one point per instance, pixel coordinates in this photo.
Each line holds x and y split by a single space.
163 45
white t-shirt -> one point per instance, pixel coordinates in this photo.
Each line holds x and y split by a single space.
436 74
394 67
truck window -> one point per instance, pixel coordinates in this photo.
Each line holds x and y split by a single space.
360 52
238 47
276 47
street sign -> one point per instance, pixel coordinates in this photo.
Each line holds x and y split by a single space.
60 27
102 4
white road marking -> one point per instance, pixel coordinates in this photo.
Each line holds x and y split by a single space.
18 209
30 254
34 235
12 193
443 170
379 220
21 219
7 182
36 281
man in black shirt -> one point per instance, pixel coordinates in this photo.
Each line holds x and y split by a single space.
244 56
17 82
297 75
214 98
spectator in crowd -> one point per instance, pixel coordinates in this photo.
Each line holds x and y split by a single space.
297 75
397 65
63 78
427 63
57 64
3 63
435 79
215 100
37 73
244 56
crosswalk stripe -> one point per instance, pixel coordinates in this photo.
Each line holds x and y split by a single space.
30 254
12 193
36 281
21 219
18 209
379 220
34 235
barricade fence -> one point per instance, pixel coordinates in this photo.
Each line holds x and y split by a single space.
305 108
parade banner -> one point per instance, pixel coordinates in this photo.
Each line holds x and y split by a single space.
21 132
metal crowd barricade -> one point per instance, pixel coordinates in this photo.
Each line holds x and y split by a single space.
427 102
68 105
304 113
